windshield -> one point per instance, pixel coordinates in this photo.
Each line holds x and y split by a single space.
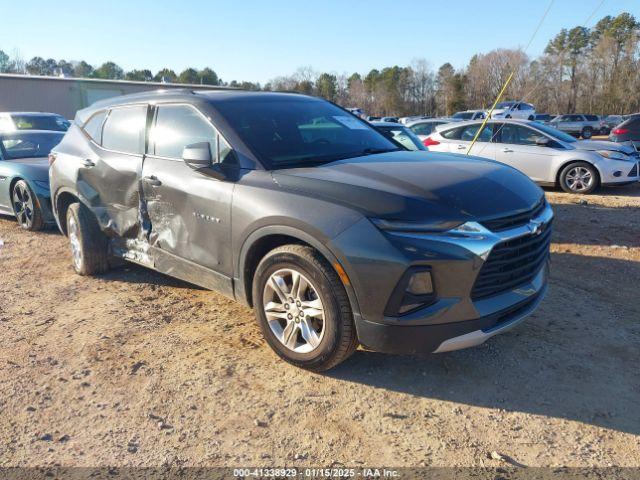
55 123
29 145
565 137
298 132
463 115
403 136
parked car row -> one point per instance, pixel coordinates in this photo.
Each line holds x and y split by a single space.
326 225
579 125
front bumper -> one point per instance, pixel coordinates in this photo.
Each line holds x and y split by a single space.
458 318
401 339
619 172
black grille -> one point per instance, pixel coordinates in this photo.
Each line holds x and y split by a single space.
634 171
513 263
513 221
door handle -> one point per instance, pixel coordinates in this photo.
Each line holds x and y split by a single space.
152 180
461 147
507 150
88 163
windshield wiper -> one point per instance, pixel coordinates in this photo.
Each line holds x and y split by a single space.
373 151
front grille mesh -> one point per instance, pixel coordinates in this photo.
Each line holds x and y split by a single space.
512 263
513 221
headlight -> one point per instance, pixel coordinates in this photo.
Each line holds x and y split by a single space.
613 155
415 227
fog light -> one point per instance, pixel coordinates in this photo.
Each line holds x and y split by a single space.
420 284
617 173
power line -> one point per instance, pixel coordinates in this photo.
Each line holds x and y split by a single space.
535 88
506 84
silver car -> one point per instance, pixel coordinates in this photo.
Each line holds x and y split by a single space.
548 156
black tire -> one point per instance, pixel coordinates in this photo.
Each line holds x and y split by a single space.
26 207
92 245
507 116
531 118
339 339
587 133
565 182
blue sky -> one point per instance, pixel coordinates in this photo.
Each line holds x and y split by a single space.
258 40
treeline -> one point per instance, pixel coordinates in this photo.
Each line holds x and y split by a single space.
586 70
111 71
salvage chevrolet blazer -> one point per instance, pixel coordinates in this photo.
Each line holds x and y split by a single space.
332 233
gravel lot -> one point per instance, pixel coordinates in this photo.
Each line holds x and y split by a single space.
135 368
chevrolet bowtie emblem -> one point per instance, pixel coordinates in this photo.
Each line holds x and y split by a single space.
535 227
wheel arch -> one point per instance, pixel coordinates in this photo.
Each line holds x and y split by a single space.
577 160
60 205
262 241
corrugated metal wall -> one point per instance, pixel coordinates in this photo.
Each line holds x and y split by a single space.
65 95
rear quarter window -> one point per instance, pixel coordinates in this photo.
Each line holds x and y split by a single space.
93 127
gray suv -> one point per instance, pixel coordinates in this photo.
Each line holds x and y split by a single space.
294 206
579 125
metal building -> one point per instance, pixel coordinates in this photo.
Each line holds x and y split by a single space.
30 93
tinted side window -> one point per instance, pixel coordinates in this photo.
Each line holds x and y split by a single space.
592 118
177 126
423 128
453 134
469 132
124 130
517 135
93 127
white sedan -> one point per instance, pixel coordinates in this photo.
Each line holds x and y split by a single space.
548 156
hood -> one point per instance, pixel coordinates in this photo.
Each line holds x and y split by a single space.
603 145
417 186
34 168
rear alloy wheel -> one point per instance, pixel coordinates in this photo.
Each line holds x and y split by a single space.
25 207
587 133
89 246
579 177
303 309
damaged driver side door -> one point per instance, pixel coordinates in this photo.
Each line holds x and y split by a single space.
189 212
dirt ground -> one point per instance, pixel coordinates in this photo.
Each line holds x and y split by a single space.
137 369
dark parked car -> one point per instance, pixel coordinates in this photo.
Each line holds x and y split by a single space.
12 121
627 132
543 118
296 207
24 176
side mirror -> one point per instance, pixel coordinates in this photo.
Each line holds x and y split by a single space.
198 157
542 141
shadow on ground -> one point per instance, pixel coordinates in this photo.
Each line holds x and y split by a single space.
572 359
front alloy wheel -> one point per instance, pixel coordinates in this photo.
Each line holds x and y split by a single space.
302 308
579 178
25 207
294 310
